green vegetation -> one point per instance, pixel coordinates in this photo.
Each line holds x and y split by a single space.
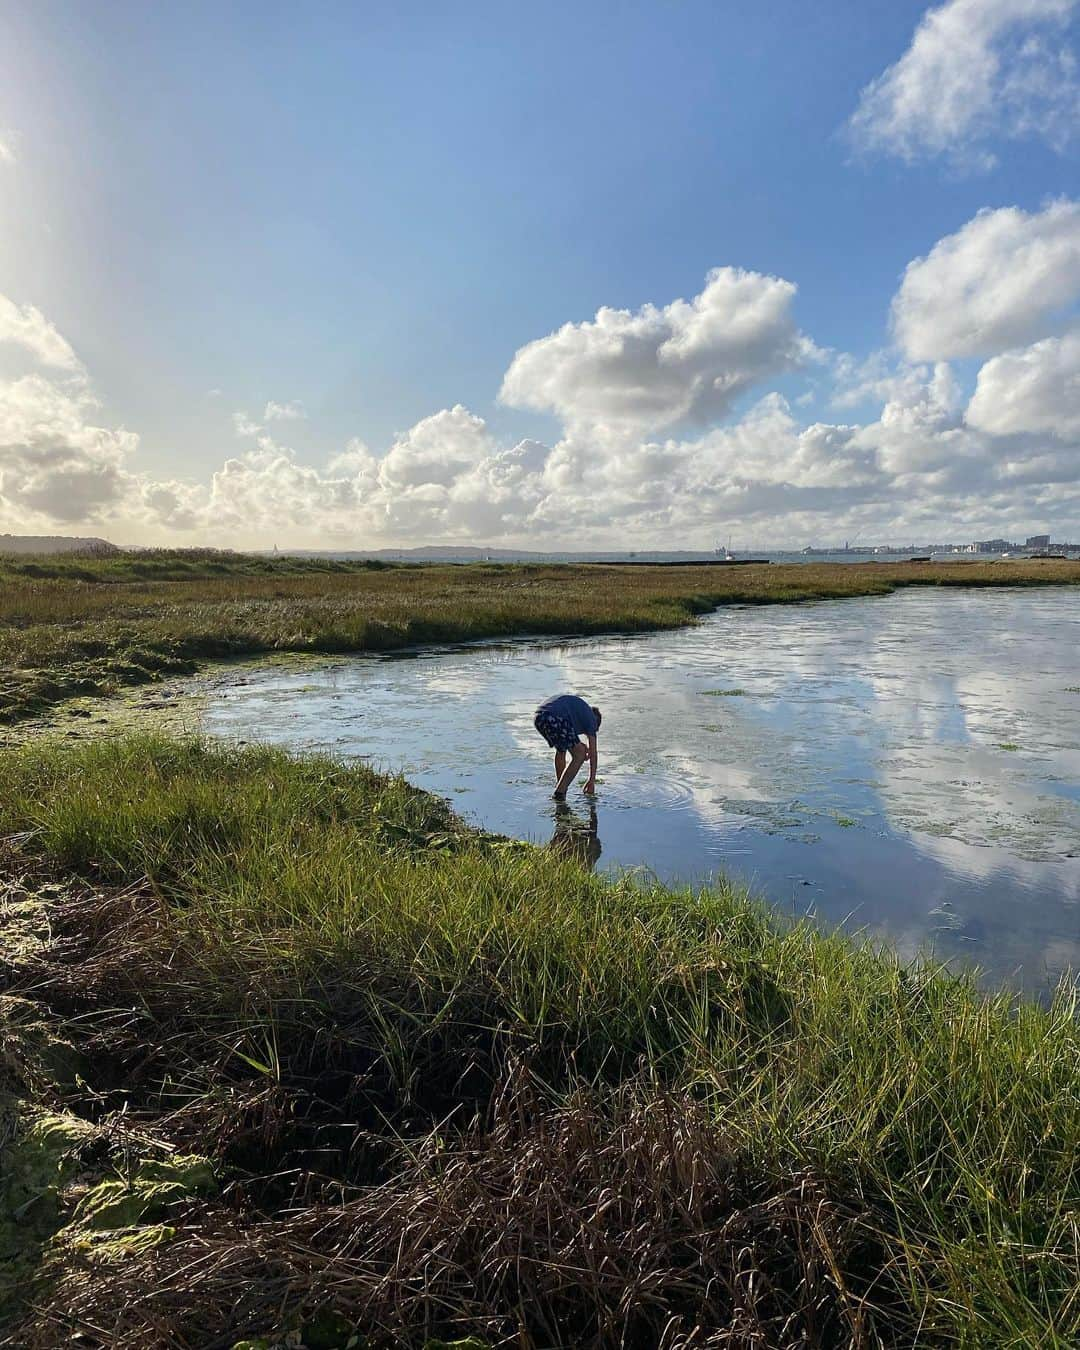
724 693
78 627
447 1085
288 1055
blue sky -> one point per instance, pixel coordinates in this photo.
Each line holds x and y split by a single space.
363 212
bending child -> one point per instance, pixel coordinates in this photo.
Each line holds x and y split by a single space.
561 720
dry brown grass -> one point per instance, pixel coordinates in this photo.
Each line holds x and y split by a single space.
628 1224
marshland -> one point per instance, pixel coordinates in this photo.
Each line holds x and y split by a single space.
292 1050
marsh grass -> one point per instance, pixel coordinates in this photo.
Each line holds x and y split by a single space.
316 956
84 626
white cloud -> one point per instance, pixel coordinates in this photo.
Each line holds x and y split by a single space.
876 379
991 285
27 328
292 411
54 462
921 429
266 491
976 70
172 505
7 154
926 465
1035 390
244 425
436 450
658 366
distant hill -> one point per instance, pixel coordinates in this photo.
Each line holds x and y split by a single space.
53 543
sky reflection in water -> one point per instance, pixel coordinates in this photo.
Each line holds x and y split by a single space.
910 764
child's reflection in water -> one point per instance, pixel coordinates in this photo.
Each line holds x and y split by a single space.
575 837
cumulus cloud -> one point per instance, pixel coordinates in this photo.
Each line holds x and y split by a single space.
645 456
1033 391
445 477
54 461
921 429
436 450
654 367
879 378
267 490
293 411
245 425
991 285
976 70
27 328
58 464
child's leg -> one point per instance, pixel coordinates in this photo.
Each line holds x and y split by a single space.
578 756
560 763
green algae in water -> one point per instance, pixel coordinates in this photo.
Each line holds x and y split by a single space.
724 693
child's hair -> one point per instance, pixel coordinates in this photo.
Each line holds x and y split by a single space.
598 718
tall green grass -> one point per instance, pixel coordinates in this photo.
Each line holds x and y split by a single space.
315 915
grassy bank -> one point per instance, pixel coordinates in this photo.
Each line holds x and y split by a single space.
74 627
448 1085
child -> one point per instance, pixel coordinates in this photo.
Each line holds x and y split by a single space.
561 720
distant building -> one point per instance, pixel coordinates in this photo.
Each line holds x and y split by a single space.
993 546
1037 541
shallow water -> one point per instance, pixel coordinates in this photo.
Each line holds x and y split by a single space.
908 765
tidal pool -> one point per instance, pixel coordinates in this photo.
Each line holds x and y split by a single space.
906 765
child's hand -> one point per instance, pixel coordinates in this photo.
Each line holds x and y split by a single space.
590 787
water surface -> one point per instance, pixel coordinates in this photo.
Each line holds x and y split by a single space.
908 765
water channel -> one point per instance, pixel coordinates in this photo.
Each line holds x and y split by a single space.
907 765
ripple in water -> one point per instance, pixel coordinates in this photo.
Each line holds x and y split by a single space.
642 790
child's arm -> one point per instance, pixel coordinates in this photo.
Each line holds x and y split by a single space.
590 786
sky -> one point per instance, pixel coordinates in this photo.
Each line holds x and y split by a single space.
580 275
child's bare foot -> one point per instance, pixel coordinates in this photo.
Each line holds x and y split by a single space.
558 796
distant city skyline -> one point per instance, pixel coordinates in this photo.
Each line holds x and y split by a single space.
586 277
